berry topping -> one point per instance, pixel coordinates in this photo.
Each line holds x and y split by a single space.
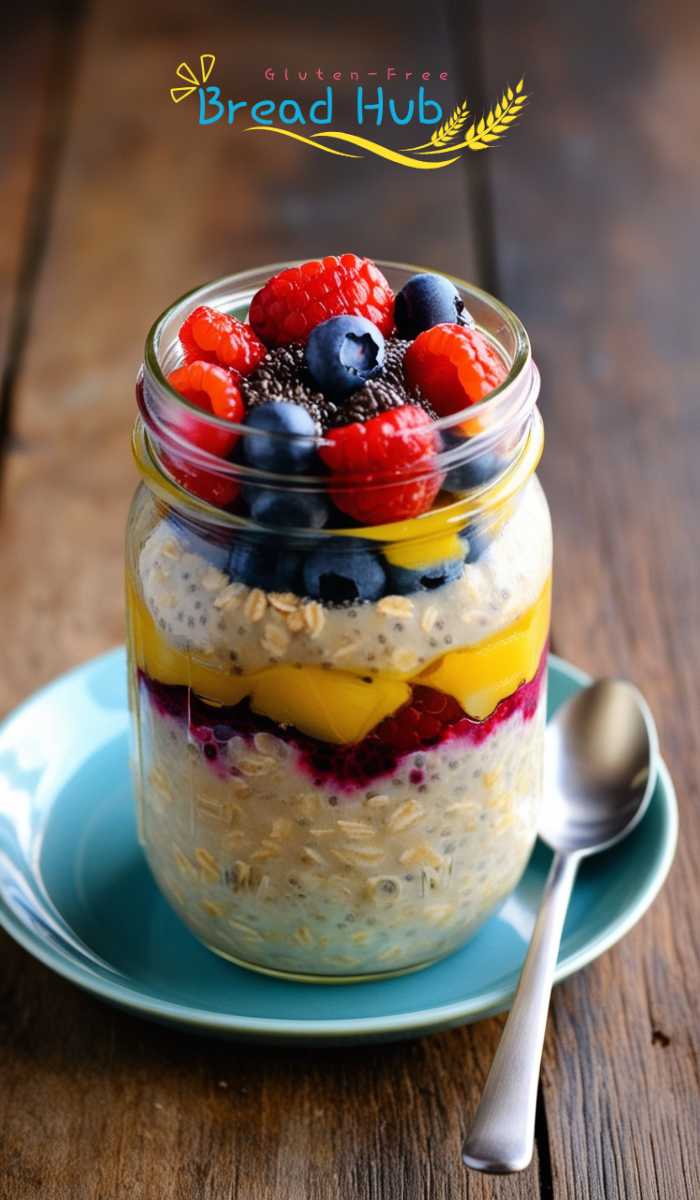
277 445
390 441
476 542
370 463
216 489
387 390
293 302
428 300
213 389
216 337
475 472
405 580
454 366
283 376
344 352
267 565
287 509
344 570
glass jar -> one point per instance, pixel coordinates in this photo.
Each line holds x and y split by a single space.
331 787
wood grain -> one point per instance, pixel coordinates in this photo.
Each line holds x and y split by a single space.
32 86
605 158
94 1103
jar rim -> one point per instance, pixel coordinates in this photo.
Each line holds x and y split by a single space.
508 407
521 357
452 515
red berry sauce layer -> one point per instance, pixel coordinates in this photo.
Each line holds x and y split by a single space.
430 718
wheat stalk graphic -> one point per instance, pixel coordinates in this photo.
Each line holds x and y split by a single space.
481 134
452 126
497 121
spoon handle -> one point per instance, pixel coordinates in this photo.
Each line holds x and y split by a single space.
501 1138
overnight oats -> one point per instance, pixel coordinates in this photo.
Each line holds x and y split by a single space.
338 584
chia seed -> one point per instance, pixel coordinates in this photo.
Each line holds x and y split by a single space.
387 390
282 377
389 887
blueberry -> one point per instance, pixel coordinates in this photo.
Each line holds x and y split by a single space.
428 300
473 473
344 569
213 547
287 509
476 542
343 353
405 580
266 565
282 452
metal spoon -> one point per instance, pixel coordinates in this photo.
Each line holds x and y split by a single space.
600 771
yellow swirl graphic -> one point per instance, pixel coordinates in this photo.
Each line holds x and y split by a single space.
394 156
298 137
354 139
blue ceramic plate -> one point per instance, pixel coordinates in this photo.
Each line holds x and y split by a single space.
75 891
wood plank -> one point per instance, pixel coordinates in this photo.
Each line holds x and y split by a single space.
33 62
94 1103
595 204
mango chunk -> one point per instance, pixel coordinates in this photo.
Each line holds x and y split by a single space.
162 662
418 555
333 706
483 675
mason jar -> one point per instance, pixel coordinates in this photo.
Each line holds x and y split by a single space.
331 787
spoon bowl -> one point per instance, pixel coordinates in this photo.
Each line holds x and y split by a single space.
600 768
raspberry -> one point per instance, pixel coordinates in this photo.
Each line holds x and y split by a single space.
212 336
454 366
370 462
290 304
219 490
395 439
213 389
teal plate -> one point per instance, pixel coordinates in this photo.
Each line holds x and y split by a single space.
76 892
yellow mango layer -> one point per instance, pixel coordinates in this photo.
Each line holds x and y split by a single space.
480 676
342 707
158 659
334 706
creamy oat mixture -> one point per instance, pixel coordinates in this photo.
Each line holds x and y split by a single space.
198 609
276 872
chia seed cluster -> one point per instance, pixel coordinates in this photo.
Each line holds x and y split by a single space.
283 377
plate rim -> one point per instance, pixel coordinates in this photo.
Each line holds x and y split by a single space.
496 1000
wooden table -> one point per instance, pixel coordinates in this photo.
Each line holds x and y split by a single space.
586 223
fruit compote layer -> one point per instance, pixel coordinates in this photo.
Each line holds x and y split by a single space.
356 796
294 855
